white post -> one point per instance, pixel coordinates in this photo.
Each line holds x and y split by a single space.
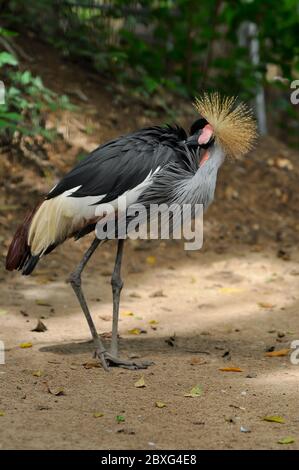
2 92
254 47
247 34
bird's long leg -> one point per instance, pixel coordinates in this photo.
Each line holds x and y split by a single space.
117 285
75 280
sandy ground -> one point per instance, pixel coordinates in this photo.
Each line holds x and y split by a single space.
222 309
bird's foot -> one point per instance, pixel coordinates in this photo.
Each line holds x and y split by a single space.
115 361
108 360
100 354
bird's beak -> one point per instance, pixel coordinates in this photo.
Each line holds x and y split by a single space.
193 139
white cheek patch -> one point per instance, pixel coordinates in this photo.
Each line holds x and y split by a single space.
206 134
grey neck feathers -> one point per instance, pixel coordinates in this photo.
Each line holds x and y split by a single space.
199 188
191 185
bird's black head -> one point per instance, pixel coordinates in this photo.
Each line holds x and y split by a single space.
197 125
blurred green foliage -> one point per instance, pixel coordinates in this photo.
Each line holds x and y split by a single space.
26 99
180 45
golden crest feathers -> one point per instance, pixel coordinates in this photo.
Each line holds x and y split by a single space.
234 126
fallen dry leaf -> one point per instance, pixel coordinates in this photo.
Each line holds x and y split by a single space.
107 335
151 260
37 373
90 365
194 392
58 392
127 314
106 273
134 331
153 322
25 345
98 414
140 383
43 303
230 369
265 305
281 352
160 404
274 419
2 413
230 290
197 361
286 440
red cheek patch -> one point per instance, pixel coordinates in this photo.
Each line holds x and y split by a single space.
206 134
204 158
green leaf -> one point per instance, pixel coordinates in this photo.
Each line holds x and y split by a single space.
10 116
13 92
37 82
7 125
8 59
120 418
150 84
26 77
6 33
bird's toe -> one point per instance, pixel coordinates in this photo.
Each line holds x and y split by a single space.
114 361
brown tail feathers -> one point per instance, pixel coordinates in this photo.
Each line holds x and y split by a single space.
19 254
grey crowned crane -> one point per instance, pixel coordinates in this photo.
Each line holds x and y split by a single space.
156 164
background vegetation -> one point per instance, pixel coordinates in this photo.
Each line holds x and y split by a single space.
151 46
